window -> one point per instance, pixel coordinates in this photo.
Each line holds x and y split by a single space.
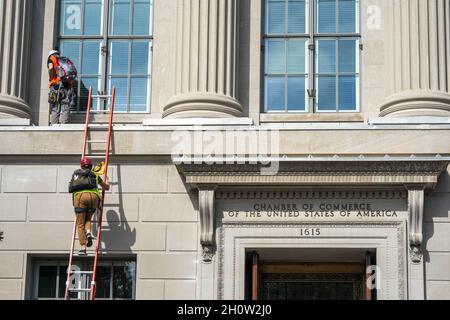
110 42
311 56
115 279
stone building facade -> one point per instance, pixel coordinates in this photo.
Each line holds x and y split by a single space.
356 147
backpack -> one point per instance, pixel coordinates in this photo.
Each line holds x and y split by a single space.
82 179
66 70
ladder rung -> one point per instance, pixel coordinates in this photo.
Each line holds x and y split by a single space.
99 111
98 126
82 272
95 157
102 96
79 290
96 141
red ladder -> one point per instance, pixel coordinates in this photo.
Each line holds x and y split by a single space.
91 290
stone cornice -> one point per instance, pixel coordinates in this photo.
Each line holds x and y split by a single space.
377 173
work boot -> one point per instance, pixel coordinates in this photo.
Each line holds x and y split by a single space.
82 251
89 239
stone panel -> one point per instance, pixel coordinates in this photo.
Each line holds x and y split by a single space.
119 236
50 207
149 290
168 266
13 207
436 236
140 179
123 207
36 236
437 266
29 179
176 184
438 290
177 207
180 290
10 289
11 264
182 237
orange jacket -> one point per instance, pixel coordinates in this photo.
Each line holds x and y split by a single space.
55 79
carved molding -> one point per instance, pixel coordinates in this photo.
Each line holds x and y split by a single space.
415 209
311 194
399 226
379 173
206 208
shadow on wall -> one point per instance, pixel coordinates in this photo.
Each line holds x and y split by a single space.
117 235
437 205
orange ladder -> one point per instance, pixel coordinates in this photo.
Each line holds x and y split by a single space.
89 292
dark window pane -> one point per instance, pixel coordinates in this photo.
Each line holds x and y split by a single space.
276 94
121 85
327 56
92 17
326 16
120 17
276 16
91 57
347 16
141 17
71 49
85 83
296 16
347 56
139 57
276 57
119 57
138 95
296 94
123 279
47 281
103 280
326 94
347 93
296 56
62 284
71 17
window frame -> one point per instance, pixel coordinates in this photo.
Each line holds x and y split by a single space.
58 263
106 38
311 58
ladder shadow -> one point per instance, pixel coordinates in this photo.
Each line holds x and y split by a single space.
117 234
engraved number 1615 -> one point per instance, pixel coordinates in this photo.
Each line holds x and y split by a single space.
310 231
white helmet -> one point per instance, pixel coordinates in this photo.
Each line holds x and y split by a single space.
52 52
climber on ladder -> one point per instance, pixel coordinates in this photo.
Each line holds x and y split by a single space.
86 200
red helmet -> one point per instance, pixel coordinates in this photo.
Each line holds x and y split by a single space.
85 162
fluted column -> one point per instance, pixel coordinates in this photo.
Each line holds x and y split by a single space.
418 42
15 24
206 66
